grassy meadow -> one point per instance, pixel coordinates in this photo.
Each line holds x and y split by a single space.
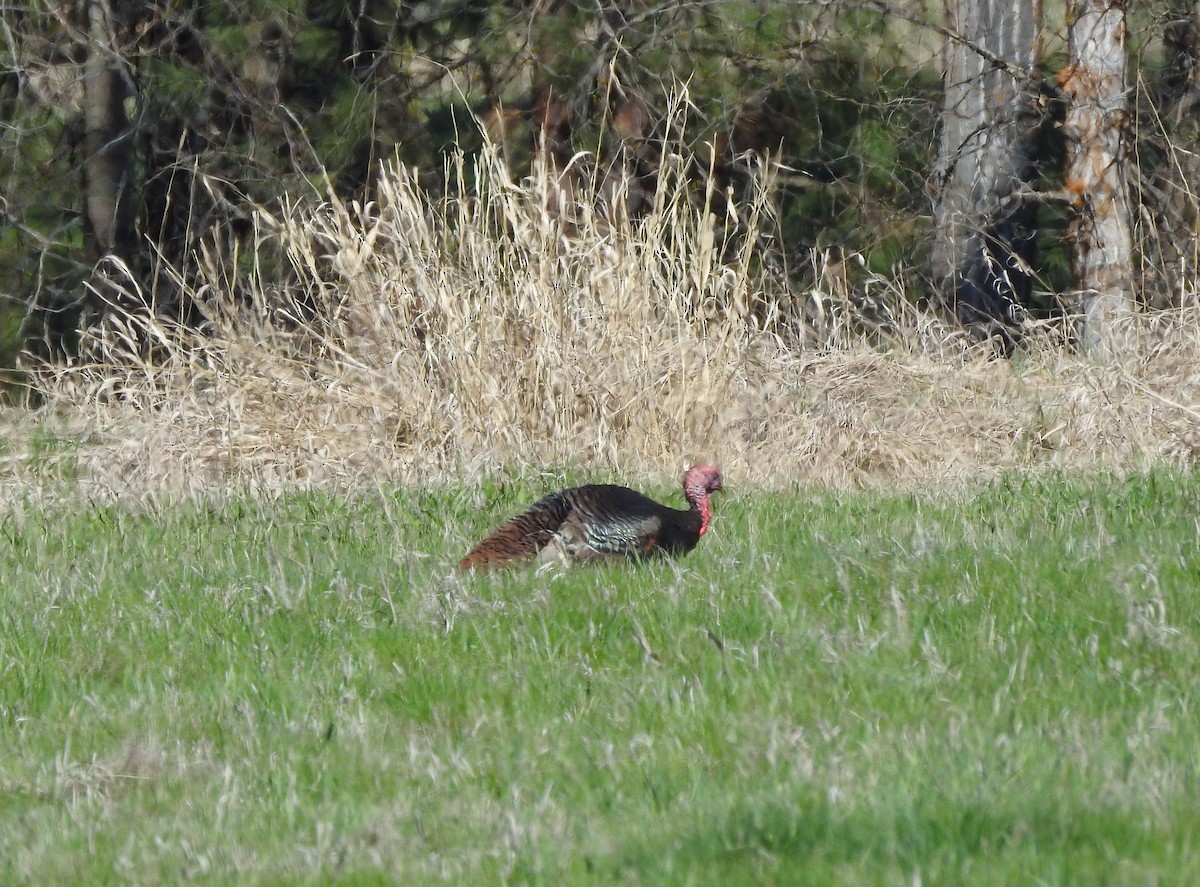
943 631
994 688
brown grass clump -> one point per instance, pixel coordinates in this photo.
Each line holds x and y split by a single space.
432 337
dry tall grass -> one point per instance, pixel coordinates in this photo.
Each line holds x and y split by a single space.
503 326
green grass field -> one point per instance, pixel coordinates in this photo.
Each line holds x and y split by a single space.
994 689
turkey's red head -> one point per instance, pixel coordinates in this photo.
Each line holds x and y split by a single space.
701 480
699 483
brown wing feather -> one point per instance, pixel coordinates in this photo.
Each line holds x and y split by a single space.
520 538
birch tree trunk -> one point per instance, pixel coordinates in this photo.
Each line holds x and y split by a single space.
983 239
1094 127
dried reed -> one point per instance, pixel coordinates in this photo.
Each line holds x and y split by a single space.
506 325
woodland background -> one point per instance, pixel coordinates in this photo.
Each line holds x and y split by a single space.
138 135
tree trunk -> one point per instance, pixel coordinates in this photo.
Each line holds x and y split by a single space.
107 138
1171 192
1095 125
990 113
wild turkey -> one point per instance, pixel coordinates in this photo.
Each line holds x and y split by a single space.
601 521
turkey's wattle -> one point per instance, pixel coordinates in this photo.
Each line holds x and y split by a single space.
601 521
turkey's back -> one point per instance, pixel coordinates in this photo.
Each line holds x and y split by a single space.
598 520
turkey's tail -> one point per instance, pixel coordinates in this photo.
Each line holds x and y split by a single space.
520 538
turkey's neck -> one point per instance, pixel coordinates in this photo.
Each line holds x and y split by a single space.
701 505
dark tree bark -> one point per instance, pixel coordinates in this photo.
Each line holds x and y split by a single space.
107 137
1095 128
990 114
1171 191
